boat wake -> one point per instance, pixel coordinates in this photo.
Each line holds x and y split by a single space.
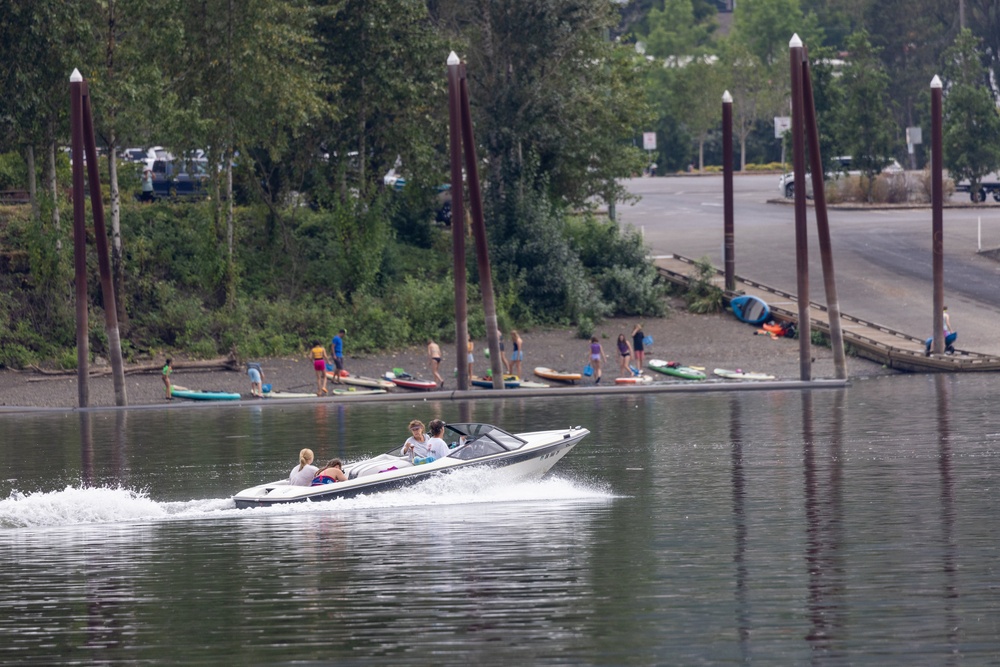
109 505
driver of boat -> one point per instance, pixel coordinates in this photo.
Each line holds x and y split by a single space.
416 445
436 446
333 471
303 473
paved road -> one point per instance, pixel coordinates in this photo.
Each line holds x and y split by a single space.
882 258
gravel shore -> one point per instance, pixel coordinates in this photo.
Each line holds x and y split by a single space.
710 341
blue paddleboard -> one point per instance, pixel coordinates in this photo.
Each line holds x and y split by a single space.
750 309
948 341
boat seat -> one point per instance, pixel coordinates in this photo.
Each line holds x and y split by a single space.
376 467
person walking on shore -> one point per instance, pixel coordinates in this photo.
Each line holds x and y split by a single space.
472 359
256 374
517 354
167 370
318 354
434 354
337 347
624 356
639 345
596 355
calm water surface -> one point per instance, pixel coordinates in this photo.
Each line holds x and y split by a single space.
832 527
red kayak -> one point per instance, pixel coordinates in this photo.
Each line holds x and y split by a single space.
401 378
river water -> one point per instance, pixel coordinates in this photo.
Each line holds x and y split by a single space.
849 526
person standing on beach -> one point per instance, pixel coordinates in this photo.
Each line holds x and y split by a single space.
517 354
167 370
472 359
624 355
639 346
256 374
434 354
337 347
596 355
318 354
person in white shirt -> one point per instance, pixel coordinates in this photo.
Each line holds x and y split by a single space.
303 473
436 446
416 445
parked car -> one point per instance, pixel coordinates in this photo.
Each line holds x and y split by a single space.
184 177
841 166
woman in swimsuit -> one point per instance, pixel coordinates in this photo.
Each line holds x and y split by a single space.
638 345
596 354
318 354
624 352
517 355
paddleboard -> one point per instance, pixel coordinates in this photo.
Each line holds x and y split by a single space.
635 379
488 382
287 394
675 369
362 381
528 384
202 395
558 376
948 341
750 309
741 375
357 392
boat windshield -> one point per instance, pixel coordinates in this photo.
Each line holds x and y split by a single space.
473 440
478 440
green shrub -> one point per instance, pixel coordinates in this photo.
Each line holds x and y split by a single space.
702 295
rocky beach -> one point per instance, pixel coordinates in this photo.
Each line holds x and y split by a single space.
710 341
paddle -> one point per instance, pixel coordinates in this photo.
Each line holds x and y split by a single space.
298 386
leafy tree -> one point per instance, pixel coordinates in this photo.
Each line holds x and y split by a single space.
764 28
545 81
247 70
758 91
971 121
674 31
866 125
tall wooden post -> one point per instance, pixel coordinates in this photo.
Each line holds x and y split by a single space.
937 214
79 240
103 258
458 223
823 224
479 235
801 239
729 246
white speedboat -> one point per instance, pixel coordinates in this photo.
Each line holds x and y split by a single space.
515 456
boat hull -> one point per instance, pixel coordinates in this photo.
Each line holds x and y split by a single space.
382 473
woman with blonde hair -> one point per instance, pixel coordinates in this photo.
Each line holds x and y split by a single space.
303 473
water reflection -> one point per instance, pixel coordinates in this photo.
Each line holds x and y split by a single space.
949 546
824 520
740 527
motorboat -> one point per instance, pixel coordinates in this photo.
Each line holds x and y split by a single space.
514 455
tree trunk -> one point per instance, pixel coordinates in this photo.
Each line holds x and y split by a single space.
117 259
54 187
32 181
743 154
701 154
231 260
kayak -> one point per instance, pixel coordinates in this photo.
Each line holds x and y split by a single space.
362 381
401 378
557 376
635 379
201 395
675 369
741 375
